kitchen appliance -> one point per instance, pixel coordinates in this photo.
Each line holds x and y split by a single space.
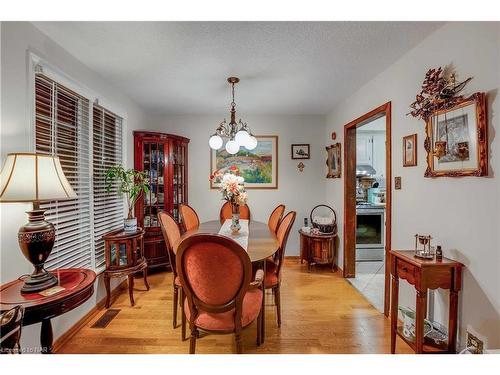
370 232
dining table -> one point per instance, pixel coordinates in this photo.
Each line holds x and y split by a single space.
262 244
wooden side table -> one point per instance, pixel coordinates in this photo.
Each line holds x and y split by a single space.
318 249
124 252
425 274
78 284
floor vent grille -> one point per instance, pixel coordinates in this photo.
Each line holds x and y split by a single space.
106 318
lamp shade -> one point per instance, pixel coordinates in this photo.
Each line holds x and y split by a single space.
30 177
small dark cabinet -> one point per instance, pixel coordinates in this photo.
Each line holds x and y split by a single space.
165 158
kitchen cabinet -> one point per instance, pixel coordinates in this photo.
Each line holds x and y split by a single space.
370 150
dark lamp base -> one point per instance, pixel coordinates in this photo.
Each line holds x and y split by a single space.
36 239
39 282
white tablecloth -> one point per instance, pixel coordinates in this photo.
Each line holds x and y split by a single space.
241 236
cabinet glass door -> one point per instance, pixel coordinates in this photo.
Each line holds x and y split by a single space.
154 166
179 190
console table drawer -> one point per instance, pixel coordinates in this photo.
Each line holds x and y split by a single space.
406 271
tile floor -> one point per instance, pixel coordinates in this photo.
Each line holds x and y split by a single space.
369 281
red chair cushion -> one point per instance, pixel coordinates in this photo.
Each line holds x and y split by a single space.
271 278
252 303
177 281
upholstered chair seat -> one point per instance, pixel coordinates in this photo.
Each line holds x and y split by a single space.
216 276
171 234
177 281
272 278
224 321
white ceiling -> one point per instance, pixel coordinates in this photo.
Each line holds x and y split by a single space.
285 67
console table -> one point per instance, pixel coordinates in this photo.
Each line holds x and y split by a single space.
124 252
78 284
318 249
424 274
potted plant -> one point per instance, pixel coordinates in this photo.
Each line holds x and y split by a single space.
233 190
133 184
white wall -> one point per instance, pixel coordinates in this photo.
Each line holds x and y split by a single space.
17 38
299 191
462 214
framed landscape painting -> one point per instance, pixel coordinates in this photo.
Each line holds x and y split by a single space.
259 167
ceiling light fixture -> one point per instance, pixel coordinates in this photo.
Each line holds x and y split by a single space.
238 134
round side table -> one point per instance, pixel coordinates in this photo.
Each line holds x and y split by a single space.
318 249
124 252
78 284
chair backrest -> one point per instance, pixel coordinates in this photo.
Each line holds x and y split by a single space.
189 217
282 234
215 272
275 217
226 212
171 234
10 330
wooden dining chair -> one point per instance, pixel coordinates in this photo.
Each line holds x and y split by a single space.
216 274
189 217
272 278
275 217
226 212
171 234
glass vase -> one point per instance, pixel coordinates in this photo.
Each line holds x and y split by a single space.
235 217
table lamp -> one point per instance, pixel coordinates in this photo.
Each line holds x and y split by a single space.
31 177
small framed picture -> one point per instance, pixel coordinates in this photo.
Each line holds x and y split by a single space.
410 150
301 151
333 161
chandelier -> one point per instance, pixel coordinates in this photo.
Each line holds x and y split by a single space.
238 134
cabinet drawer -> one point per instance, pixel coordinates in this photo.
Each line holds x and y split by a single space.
406 271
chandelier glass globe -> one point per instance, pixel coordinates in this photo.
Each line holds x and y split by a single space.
232 147
242 137
251 143
215 142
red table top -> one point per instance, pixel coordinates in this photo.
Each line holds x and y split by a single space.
74 280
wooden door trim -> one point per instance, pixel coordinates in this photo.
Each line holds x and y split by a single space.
349 226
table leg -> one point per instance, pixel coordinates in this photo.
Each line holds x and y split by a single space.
145 275
46 336
452 318
394 311
419 320
108 290
131 289
263 318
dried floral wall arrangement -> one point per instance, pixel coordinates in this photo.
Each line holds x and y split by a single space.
456 127
440 90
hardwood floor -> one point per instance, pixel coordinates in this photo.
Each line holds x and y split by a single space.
321 313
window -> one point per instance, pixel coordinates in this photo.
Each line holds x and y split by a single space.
107 152
63 128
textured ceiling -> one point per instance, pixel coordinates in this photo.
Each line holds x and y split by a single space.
285 67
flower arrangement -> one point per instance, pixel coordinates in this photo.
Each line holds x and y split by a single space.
231 186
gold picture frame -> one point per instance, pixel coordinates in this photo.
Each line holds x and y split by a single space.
457 139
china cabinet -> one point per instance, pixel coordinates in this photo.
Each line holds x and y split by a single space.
165 158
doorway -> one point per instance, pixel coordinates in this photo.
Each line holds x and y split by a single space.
368 204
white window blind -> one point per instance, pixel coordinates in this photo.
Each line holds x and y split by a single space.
107 152
62 128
